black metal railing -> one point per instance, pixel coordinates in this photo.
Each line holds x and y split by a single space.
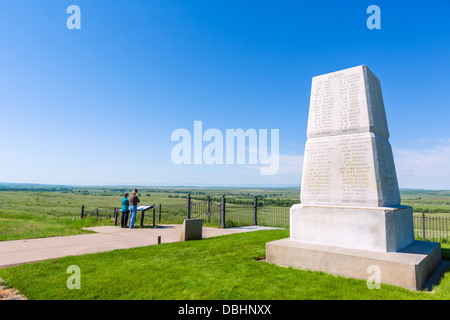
96 213
432 227
230 214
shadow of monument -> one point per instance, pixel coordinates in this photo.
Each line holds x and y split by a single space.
445 253
438 275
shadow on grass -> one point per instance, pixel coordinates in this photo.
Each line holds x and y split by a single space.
155 227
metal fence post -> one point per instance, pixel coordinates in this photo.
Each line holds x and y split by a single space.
222 212
423 226
188 207
255 211
82 211
154 211
208 213
115 216
142 218
97 214
159 214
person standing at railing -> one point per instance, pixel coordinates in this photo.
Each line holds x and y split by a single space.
125 210
134 200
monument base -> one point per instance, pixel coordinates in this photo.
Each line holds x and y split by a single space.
383 229
410 268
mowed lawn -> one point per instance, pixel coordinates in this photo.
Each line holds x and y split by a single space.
25 225
226 267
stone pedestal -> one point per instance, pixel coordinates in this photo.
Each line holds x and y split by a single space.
410 267
379 229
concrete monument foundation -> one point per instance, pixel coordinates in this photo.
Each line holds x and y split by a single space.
410 267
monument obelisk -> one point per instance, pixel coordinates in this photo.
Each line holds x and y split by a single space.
350 216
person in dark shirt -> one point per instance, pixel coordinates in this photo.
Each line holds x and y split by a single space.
134 200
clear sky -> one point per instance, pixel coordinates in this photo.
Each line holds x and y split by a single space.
97 106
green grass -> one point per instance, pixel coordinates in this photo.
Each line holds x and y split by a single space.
224 267
24 225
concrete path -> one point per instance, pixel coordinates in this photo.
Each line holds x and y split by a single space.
106 238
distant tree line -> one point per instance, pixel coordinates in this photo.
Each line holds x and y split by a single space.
428 210
36 189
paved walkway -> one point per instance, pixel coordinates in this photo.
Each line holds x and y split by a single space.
106 238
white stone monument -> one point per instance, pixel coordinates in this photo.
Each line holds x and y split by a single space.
350 216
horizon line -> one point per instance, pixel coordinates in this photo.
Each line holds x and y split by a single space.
177 186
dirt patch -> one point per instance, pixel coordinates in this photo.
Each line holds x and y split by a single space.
10 294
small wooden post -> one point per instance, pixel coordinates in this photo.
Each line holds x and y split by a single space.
159 239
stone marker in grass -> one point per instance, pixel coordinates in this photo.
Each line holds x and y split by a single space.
191 229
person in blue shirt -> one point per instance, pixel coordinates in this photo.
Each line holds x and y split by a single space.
125 211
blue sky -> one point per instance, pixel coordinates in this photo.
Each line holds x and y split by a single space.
97 106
